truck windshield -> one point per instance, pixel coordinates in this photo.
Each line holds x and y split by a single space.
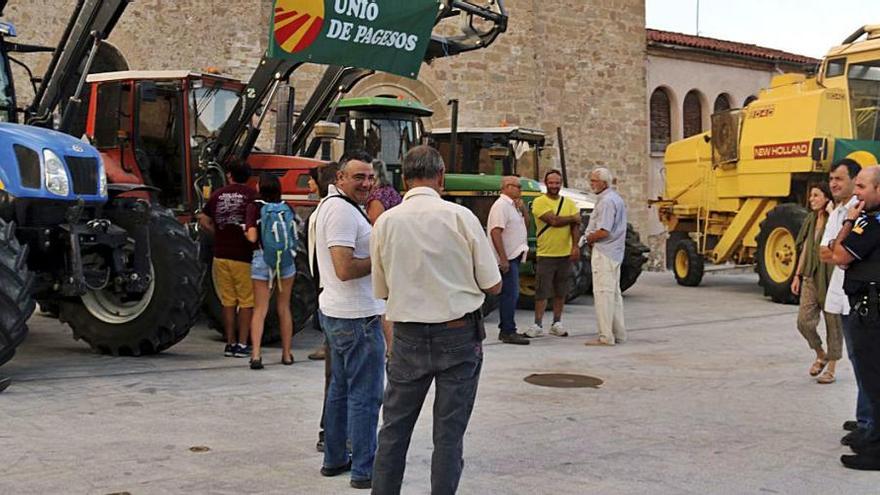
864 90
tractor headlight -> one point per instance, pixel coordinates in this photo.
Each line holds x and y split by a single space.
57 181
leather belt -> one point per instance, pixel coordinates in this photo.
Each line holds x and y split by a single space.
457 323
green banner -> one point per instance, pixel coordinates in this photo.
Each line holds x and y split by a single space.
385 35
865 152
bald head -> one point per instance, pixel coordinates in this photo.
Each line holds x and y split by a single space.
872 174
867 187
511 187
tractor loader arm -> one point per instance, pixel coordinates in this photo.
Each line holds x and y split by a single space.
91 23
480 26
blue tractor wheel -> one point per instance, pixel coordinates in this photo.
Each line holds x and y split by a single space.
16 302
163 315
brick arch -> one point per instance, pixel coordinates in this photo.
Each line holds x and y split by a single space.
694 113
662 118
385 84
723 102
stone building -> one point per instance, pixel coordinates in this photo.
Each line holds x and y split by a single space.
578 64
687 79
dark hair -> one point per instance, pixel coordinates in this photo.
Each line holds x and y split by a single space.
358 154
554 171
422 162
270 188
324 176
852 167
823 188
239 170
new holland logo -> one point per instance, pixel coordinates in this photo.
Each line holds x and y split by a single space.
77 148
298 23
782 150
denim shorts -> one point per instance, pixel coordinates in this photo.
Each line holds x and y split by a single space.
260 270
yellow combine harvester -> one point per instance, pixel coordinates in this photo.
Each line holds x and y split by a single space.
736 194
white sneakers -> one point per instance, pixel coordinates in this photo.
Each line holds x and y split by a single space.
534 331
557 330
538 331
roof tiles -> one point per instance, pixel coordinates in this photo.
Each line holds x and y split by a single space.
723 46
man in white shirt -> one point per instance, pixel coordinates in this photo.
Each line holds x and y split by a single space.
433 263
507 227
606 237
841 182
350 318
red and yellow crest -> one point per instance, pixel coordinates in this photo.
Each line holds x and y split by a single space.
297 23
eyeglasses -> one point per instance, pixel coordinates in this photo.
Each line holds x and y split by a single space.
363 177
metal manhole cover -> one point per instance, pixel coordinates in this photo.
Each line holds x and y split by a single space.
564 380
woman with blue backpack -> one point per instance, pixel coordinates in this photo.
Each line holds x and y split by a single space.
271 224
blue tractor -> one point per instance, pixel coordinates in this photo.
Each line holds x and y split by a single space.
121 271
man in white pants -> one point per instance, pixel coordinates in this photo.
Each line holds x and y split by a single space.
606 237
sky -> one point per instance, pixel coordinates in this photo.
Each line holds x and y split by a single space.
805 27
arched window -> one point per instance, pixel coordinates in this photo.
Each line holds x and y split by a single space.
692 116
661 120
749 99
722 103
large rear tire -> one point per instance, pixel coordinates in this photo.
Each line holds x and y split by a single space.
164 314
16 303
776 256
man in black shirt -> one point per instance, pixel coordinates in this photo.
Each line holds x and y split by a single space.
858 250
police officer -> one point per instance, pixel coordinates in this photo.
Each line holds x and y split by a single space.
858 249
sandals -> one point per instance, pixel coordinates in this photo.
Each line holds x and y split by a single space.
817 367
826 377
287 363
257 363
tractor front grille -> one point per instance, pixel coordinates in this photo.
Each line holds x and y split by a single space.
28 166
83 173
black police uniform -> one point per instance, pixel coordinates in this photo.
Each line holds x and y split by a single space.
862 287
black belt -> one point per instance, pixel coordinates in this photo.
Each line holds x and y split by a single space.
456 323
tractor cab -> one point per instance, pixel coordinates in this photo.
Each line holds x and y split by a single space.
386 127
152 128
493 150
7 89
151 125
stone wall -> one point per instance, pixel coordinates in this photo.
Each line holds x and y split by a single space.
578 64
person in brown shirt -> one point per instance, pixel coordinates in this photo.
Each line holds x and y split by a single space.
224 218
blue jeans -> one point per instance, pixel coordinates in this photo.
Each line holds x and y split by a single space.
451 356
357 376
508 297
863 406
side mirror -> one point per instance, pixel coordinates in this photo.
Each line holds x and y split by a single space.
819 149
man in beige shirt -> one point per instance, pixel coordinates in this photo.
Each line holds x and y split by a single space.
433 263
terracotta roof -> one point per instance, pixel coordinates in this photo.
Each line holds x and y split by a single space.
723 46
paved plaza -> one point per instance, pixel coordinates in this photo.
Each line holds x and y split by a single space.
709 395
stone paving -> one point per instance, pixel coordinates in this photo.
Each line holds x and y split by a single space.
709 395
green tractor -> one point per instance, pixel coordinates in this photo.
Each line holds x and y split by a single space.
387 127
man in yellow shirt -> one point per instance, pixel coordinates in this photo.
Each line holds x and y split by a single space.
557 226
